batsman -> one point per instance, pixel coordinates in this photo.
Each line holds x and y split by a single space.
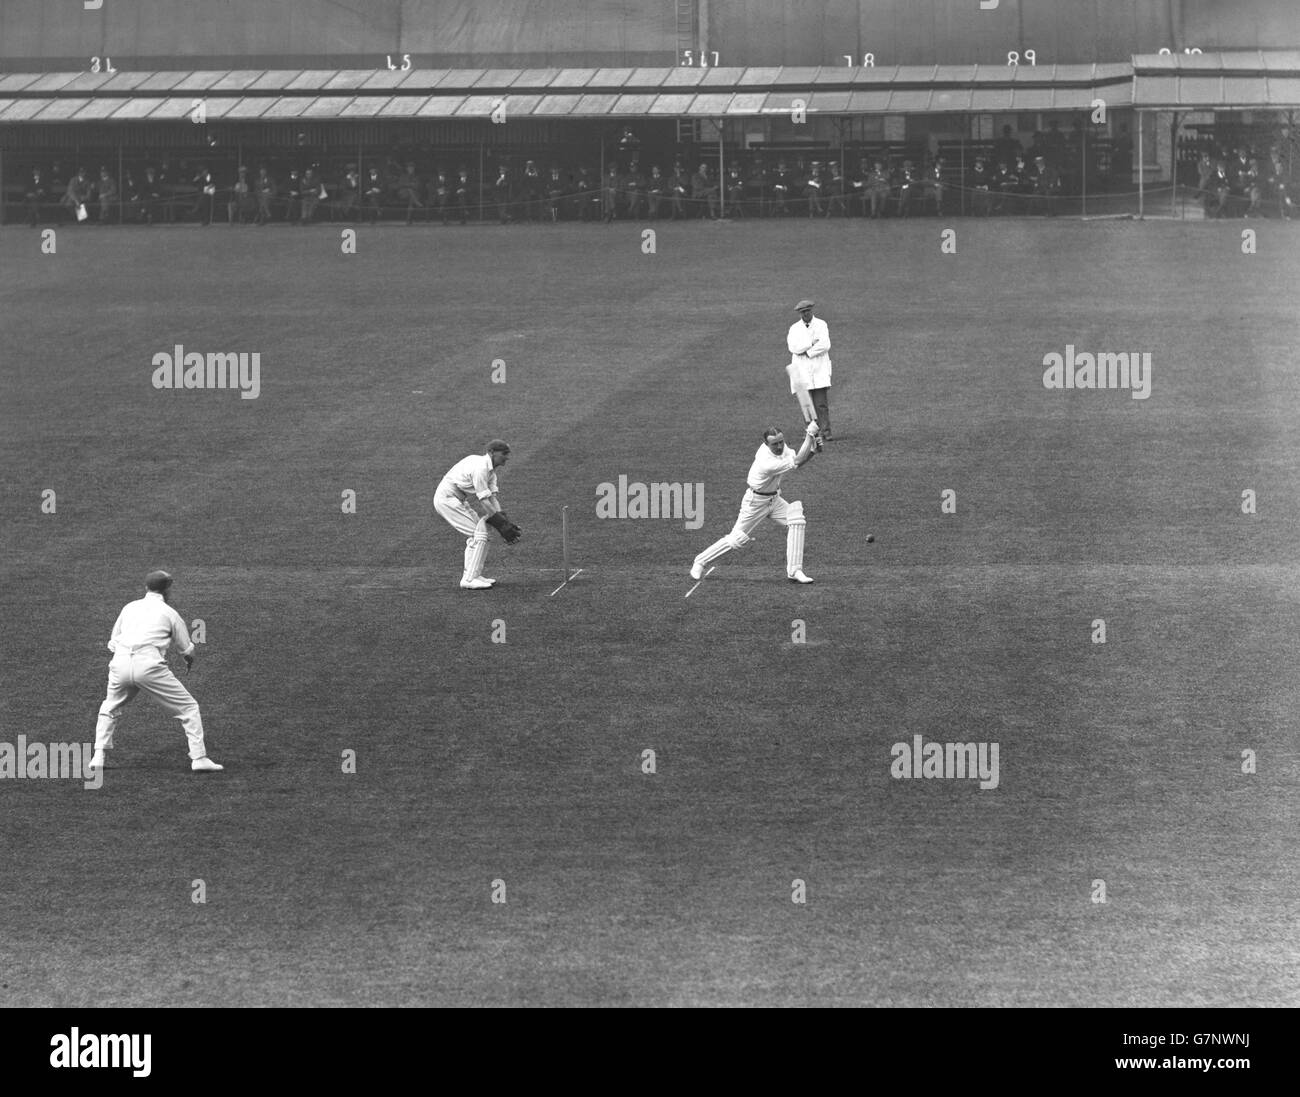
809 343
467 498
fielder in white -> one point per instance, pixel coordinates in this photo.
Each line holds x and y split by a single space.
144 630
763 500
809 342
467 499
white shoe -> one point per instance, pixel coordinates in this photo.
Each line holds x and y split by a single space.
97 762
205 765
489 582
697 571
474 584
799 577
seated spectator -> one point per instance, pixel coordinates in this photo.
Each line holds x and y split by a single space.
77 195
106 190
837 189
705 191
409 191
1047 184
349 200
656 191
981 188
909 188
1277 185
756 187
1006 182
634 190
679 187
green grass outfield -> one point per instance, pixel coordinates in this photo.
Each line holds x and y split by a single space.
521 761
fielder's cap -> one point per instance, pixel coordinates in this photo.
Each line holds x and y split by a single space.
804 304
497 446
157 580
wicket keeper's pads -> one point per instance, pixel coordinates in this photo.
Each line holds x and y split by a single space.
502 524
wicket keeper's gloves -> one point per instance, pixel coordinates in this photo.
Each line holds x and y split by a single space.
502 524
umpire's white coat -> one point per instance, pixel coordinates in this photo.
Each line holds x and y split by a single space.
810 346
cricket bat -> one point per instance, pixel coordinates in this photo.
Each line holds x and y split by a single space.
801 395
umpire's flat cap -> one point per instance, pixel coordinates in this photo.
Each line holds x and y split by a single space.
157 580
804 304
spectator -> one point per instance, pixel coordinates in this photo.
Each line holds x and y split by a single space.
293 197
312 190
679 187
77 195
440 197
1278 184
556 191
656 191
37 194
634 190
408 190
503 194
812 189
782 190
1047 184
206 198
878 188
349 202
705 191
587 194
609 194
981 184
464 193
735 192
374 196
836 191
265 192
533 190
935 186
909 188
241 205
106 190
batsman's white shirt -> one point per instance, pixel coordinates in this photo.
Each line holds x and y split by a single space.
150 622
474 475
766 471
810 346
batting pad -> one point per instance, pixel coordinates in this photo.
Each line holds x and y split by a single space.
794 545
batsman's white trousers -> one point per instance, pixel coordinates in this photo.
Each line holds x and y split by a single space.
754 510
464 519
143 668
